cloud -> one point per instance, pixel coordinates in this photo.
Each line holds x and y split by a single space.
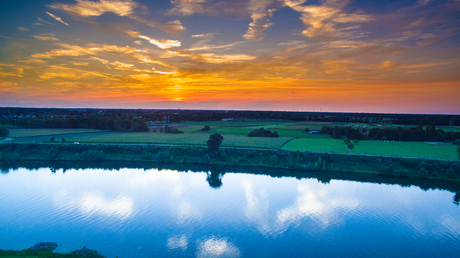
210 57
96 8
205 38
163 44
23 29
46 38
188 7
57 18
321 20
172 27
123 8
259 24
91 49
45 22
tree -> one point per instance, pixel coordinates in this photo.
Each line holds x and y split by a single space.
4 131
214 142
206 128
458 151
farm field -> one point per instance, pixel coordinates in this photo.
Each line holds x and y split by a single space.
185 138
292 137
27 132
371 147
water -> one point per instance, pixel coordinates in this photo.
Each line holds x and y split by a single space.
133 212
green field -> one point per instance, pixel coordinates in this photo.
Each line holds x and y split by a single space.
197 138
292 137
27 132
371 147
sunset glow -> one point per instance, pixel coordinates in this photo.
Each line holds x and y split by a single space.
332 55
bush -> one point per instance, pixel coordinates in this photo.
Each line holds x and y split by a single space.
206 128
52 153
52 139
4 131
93 155
16 156
263 133
170 129
76 156
273 160
146 155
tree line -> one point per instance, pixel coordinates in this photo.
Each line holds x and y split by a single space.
99 122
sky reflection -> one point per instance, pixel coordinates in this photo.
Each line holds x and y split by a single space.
142 213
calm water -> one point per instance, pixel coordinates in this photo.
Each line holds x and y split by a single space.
170 213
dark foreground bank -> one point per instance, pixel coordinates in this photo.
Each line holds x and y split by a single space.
45 250
301 161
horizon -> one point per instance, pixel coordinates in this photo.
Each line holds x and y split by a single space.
245 55
233 110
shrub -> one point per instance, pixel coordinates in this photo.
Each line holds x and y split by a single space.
76 156
263 133
173 130
93 155
146 155
4 131
273 160
52 153
16 156
206 128
423 173
52 139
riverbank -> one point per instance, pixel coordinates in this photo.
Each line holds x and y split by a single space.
45 250
264 158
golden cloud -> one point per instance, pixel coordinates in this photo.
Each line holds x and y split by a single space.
46 38
57 18
163 44
97 8
124 8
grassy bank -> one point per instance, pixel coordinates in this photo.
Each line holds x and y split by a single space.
44 251
301 161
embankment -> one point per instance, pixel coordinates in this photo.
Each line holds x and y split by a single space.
306 161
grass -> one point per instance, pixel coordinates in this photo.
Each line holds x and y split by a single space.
409 149
292 137
197 138
317 145
371 147
26 132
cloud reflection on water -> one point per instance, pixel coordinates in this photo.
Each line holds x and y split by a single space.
177 242
316 202
217 247
94 203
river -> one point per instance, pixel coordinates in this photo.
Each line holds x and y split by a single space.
226 212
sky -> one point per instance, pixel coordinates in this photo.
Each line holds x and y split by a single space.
293 55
